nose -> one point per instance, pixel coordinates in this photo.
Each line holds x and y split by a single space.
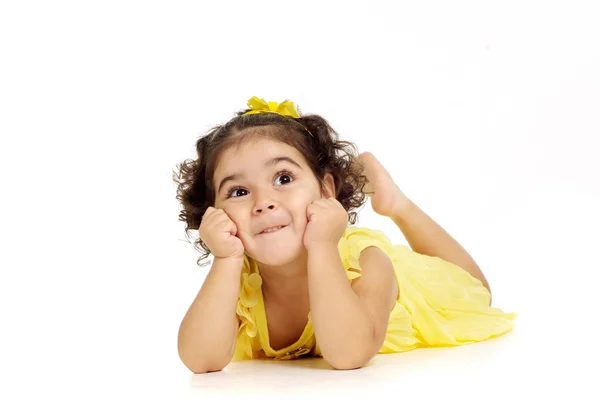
259 210
262 203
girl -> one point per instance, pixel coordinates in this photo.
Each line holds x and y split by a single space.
272 194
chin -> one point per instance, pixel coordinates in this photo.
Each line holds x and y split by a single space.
277 255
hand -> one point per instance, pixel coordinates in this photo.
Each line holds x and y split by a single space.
218 232
327 221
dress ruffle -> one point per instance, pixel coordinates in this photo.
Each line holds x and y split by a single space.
250 284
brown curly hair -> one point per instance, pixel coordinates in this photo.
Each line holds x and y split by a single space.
323 150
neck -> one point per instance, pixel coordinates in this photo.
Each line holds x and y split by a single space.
285 279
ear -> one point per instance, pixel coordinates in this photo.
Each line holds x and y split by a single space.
329 187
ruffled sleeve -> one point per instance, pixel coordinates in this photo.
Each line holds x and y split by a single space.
250 285
354 241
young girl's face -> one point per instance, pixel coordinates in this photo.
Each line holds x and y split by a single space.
263 184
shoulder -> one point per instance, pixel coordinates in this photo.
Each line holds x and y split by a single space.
356 239
367 255
361 231
364 237
377 273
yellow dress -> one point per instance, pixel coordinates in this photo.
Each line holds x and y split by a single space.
439 304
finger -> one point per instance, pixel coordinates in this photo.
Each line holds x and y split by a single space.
212 212
220 215
211 217
208 212
215 221
233 228
227 225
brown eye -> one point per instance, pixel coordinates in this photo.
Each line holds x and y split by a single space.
237 190
285 177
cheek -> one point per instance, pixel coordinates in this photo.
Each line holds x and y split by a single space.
300 204
234 214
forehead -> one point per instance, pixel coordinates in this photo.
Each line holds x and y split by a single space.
254 153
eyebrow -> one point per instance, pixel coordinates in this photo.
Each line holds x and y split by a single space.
268 163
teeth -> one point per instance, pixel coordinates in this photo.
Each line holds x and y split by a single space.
272 229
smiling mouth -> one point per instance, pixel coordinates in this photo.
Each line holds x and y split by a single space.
272 230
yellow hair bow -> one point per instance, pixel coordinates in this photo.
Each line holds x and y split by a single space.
258 106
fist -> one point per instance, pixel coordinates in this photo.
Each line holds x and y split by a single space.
327 221
218 232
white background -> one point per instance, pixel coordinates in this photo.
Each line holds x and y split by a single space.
486 113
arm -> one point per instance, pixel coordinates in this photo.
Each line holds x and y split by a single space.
425 236
350 322
207 335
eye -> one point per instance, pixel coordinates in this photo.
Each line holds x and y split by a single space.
235 189
285 177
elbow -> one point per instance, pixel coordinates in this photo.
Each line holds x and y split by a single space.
206 367
203 360
206 370
357 356
350 359
202 364
344 366
347 362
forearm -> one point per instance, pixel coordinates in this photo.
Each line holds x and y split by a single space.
207 334
343 326
425 236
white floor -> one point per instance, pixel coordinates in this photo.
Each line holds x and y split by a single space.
553 349
493 111
96 337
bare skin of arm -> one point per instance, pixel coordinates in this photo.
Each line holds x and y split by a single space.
350 321
207 334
